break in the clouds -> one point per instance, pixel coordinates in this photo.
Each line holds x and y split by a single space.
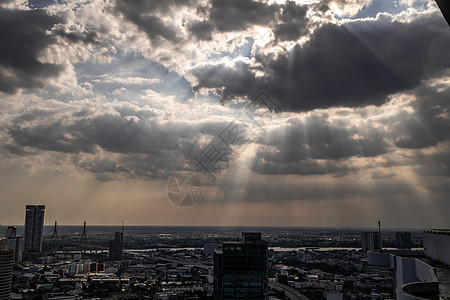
104 101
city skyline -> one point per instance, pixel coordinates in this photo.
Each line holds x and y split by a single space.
226 113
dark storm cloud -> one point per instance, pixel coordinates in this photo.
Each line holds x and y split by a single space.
436 163
288 20
99 165
303 167
237 78
316 146
49 137
201 30
428 125
142 146
22 39
293 22
87 37
145 149
356 64
110 132
147 15
237 15
17 150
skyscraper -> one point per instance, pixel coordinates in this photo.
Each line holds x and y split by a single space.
10 242
6 271
11 232
19 249
116 246
240 269
403 240
34 225
14 242
370 240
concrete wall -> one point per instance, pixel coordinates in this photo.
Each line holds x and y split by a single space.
436 245
418 290
413 277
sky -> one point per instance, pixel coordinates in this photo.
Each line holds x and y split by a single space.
331 113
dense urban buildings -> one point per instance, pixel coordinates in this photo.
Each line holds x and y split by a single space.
34 225
6 271
176 263
240 269
370 240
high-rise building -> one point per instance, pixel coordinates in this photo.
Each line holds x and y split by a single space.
6 271
370 240
436 245
34 225
208 249
403 240
116 246
14 243
240 269
11 232
18 252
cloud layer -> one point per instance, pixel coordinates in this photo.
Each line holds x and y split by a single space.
111 92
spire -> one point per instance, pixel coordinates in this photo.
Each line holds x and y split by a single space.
83 239
84 234
55 232
379 233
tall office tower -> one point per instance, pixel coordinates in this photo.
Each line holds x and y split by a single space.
240 269
403 240
19 249
11 232
116 246
370 240
14 243
6 271
34 226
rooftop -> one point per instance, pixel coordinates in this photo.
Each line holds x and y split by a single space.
442 273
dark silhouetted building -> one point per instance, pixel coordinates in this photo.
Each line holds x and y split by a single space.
116 246
6 271
370 240
14 243
34 225
403 240
240 269
11 232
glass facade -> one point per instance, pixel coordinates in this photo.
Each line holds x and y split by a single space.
240 270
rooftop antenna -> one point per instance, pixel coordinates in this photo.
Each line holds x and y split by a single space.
122 226
379 233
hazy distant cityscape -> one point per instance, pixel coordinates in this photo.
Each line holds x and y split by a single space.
151 262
